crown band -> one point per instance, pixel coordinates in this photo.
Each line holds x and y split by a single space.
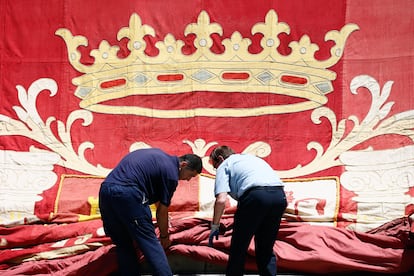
235 70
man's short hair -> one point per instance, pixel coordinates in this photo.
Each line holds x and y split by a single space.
193 162
223 151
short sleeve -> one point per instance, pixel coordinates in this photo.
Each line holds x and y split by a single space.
222 183
167 192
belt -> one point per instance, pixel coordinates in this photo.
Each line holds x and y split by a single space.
268 188
264 188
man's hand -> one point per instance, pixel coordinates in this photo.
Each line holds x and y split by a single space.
214 232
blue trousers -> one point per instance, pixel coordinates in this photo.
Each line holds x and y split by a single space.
258 214
127 220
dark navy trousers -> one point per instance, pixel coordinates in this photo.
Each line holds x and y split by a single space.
127 220
259 213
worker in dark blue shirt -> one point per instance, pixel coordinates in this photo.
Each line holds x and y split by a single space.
143 177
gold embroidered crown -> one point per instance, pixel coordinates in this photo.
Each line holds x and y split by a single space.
298 74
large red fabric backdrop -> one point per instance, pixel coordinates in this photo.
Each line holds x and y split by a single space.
380 51
347 159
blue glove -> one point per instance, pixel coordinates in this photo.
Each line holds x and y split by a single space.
214 232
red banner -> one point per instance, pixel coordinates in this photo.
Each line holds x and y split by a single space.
317 88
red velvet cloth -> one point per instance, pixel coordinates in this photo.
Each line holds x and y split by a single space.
300 248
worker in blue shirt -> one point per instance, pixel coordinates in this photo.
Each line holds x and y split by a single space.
261 204
141 178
